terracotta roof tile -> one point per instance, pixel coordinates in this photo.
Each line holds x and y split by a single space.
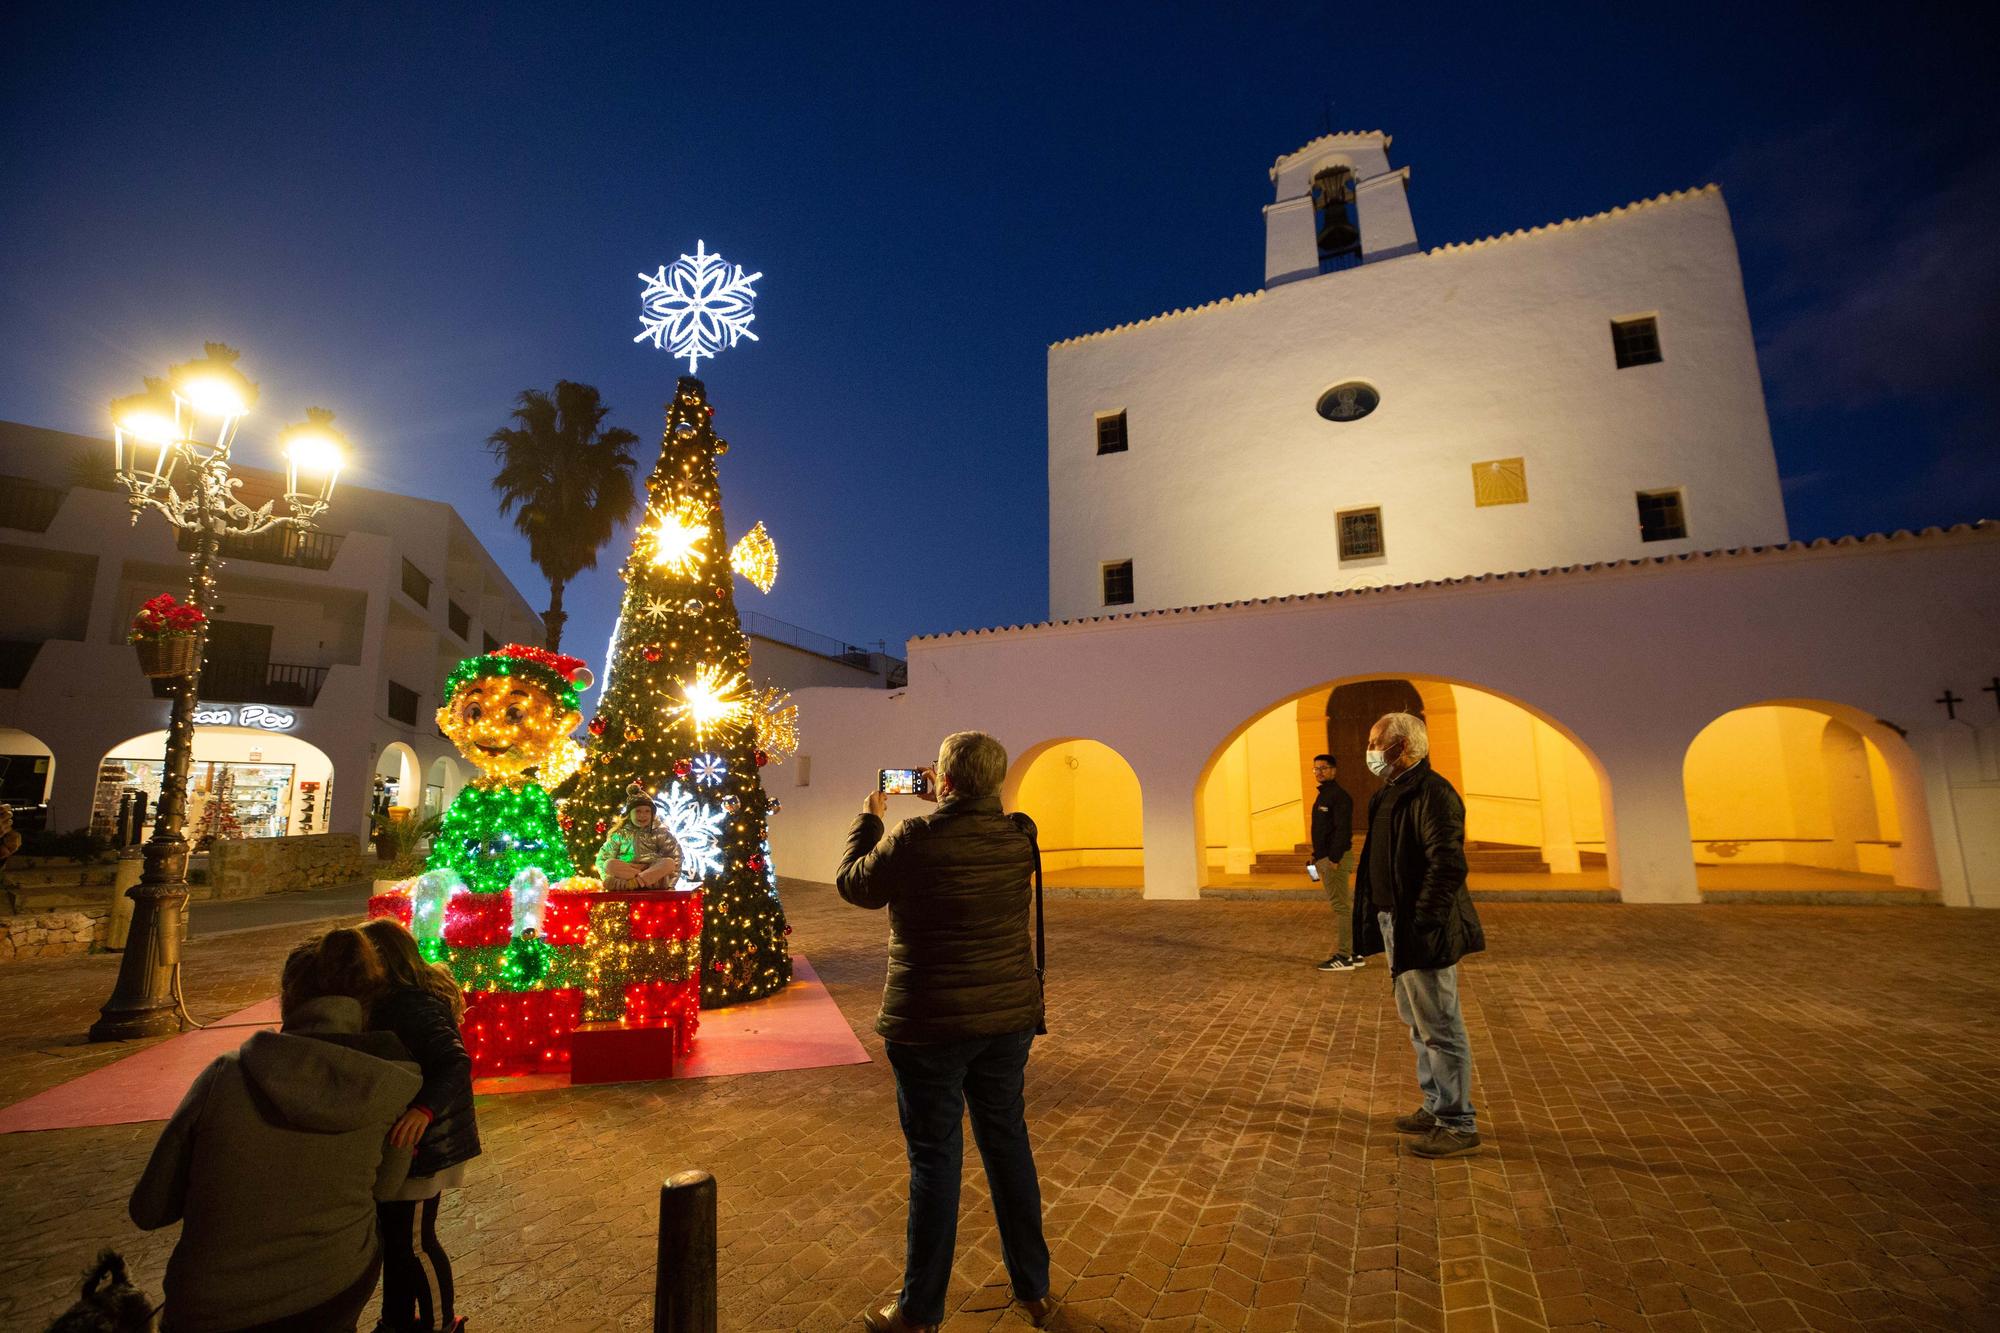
1984 527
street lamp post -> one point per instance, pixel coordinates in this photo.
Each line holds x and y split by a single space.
173 443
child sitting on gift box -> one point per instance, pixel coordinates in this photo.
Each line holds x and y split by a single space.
638 853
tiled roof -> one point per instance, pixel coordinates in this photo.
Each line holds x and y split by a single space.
1623 210
1311 144
1984 527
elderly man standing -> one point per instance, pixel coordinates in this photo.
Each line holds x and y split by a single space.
959 1013
1411 902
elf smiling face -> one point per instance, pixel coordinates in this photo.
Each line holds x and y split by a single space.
505 724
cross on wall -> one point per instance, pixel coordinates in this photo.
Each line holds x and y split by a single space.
1951 702
1994 690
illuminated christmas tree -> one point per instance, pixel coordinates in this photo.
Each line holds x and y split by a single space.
218 817
680 718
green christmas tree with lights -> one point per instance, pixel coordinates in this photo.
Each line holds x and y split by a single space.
680 718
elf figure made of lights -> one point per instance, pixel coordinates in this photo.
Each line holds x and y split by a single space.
539 950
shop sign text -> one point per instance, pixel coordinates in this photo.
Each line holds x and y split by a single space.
247 715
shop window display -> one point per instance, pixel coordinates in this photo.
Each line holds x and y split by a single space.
259 795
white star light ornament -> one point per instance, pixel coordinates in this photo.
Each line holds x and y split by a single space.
696 305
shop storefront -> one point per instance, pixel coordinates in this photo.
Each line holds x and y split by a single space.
244 782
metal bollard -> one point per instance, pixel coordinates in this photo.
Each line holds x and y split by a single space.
130 864
684 1275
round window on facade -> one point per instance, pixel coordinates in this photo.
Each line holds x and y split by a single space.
1348 402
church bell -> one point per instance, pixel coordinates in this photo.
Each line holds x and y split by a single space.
1332 192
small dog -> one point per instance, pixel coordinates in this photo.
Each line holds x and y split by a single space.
114 1307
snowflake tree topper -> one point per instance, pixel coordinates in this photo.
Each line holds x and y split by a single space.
696 305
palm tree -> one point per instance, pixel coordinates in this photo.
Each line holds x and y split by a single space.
567 479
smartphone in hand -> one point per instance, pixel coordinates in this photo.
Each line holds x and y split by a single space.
1312 872
903 782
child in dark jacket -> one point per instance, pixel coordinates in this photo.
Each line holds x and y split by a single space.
422 1005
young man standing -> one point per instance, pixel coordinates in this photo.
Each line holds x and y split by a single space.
1333 858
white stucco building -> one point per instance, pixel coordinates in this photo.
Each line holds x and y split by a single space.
1507 404
1524 486
324 662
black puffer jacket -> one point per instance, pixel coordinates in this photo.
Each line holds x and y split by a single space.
957 884
1435 923
424 1024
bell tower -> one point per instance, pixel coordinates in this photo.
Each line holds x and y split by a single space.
1338 203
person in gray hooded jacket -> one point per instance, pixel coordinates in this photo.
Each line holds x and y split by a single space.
274 1160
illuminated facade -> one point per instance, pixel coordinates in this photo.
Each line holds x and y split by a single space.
1523 486
1583 391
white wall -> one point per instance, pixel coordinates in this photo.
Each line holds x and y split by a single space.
1496 350
1630 662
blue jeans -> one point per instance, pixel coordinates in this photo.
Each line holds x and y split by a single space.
935 1081
1427 1002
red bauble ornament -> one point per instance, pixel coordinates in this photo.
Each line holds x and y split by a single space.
650 653
681 768
568 822
788 930
600 826
597 726
756 863
762 758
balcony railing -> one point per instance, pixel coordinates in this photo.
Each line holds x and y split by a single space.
277 546
224 681
16 656
28 505
779 631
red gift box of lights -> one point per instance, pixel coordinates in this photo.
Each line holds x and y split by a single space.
653 1004
396 905
479 920
566 918
675 918
520 1032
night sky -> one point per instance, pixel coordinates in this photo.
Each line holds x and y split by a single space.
409 216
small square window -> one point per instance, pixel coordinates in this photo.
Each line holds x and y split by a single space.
487 643
402 704
1502 481
1662 516
1360 534
1118 583
459 619
1636 342
1111 434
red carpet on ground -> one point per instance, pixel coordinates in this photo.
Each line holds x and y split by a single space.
798 1028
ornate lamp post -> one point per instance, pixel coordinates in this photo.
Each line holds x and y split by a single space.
173 443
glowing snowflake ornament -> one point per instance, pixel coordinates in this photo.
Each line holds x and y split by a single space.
696 305
709 769
697 827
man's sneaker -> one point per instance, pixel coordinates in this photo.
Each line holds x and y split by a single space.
1340 962
1040 1312
1442 1142
1419 1121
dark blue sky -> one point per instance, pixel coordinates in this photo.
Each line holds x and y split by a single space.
409 215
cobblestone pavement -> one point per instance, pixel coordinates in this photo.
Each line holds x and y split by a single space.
1696 1117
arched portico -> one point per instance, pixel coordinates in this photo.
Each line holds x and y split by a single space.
1088 810
398 781
1537 800
27 776
275 784
1803 797
441 783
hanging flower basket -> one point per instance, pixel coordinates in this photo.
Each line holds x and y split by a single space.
164 634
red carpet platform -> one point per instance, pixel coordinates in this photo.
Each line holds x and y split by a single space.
798 1028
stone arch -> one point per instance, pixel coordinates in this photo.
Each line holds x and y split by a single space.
27 776
1088 809
441 782
1538 799
1798 796
400 774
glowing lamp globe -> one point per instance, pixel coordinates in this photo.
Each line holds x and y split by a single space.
214 387
314 453
142 437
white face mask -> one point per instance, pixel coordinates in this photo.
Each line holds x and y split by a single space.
1378 763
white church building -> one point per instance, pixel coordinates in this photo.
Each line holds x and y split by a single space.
1524 486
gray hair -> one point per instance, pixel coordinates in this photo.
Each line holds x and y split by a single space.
974 761
1410 729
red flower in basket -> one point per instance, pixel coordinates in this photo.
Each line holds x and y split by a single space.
163 616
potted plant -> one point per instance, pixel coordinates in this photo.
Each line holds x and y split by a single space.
404 840
164 633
